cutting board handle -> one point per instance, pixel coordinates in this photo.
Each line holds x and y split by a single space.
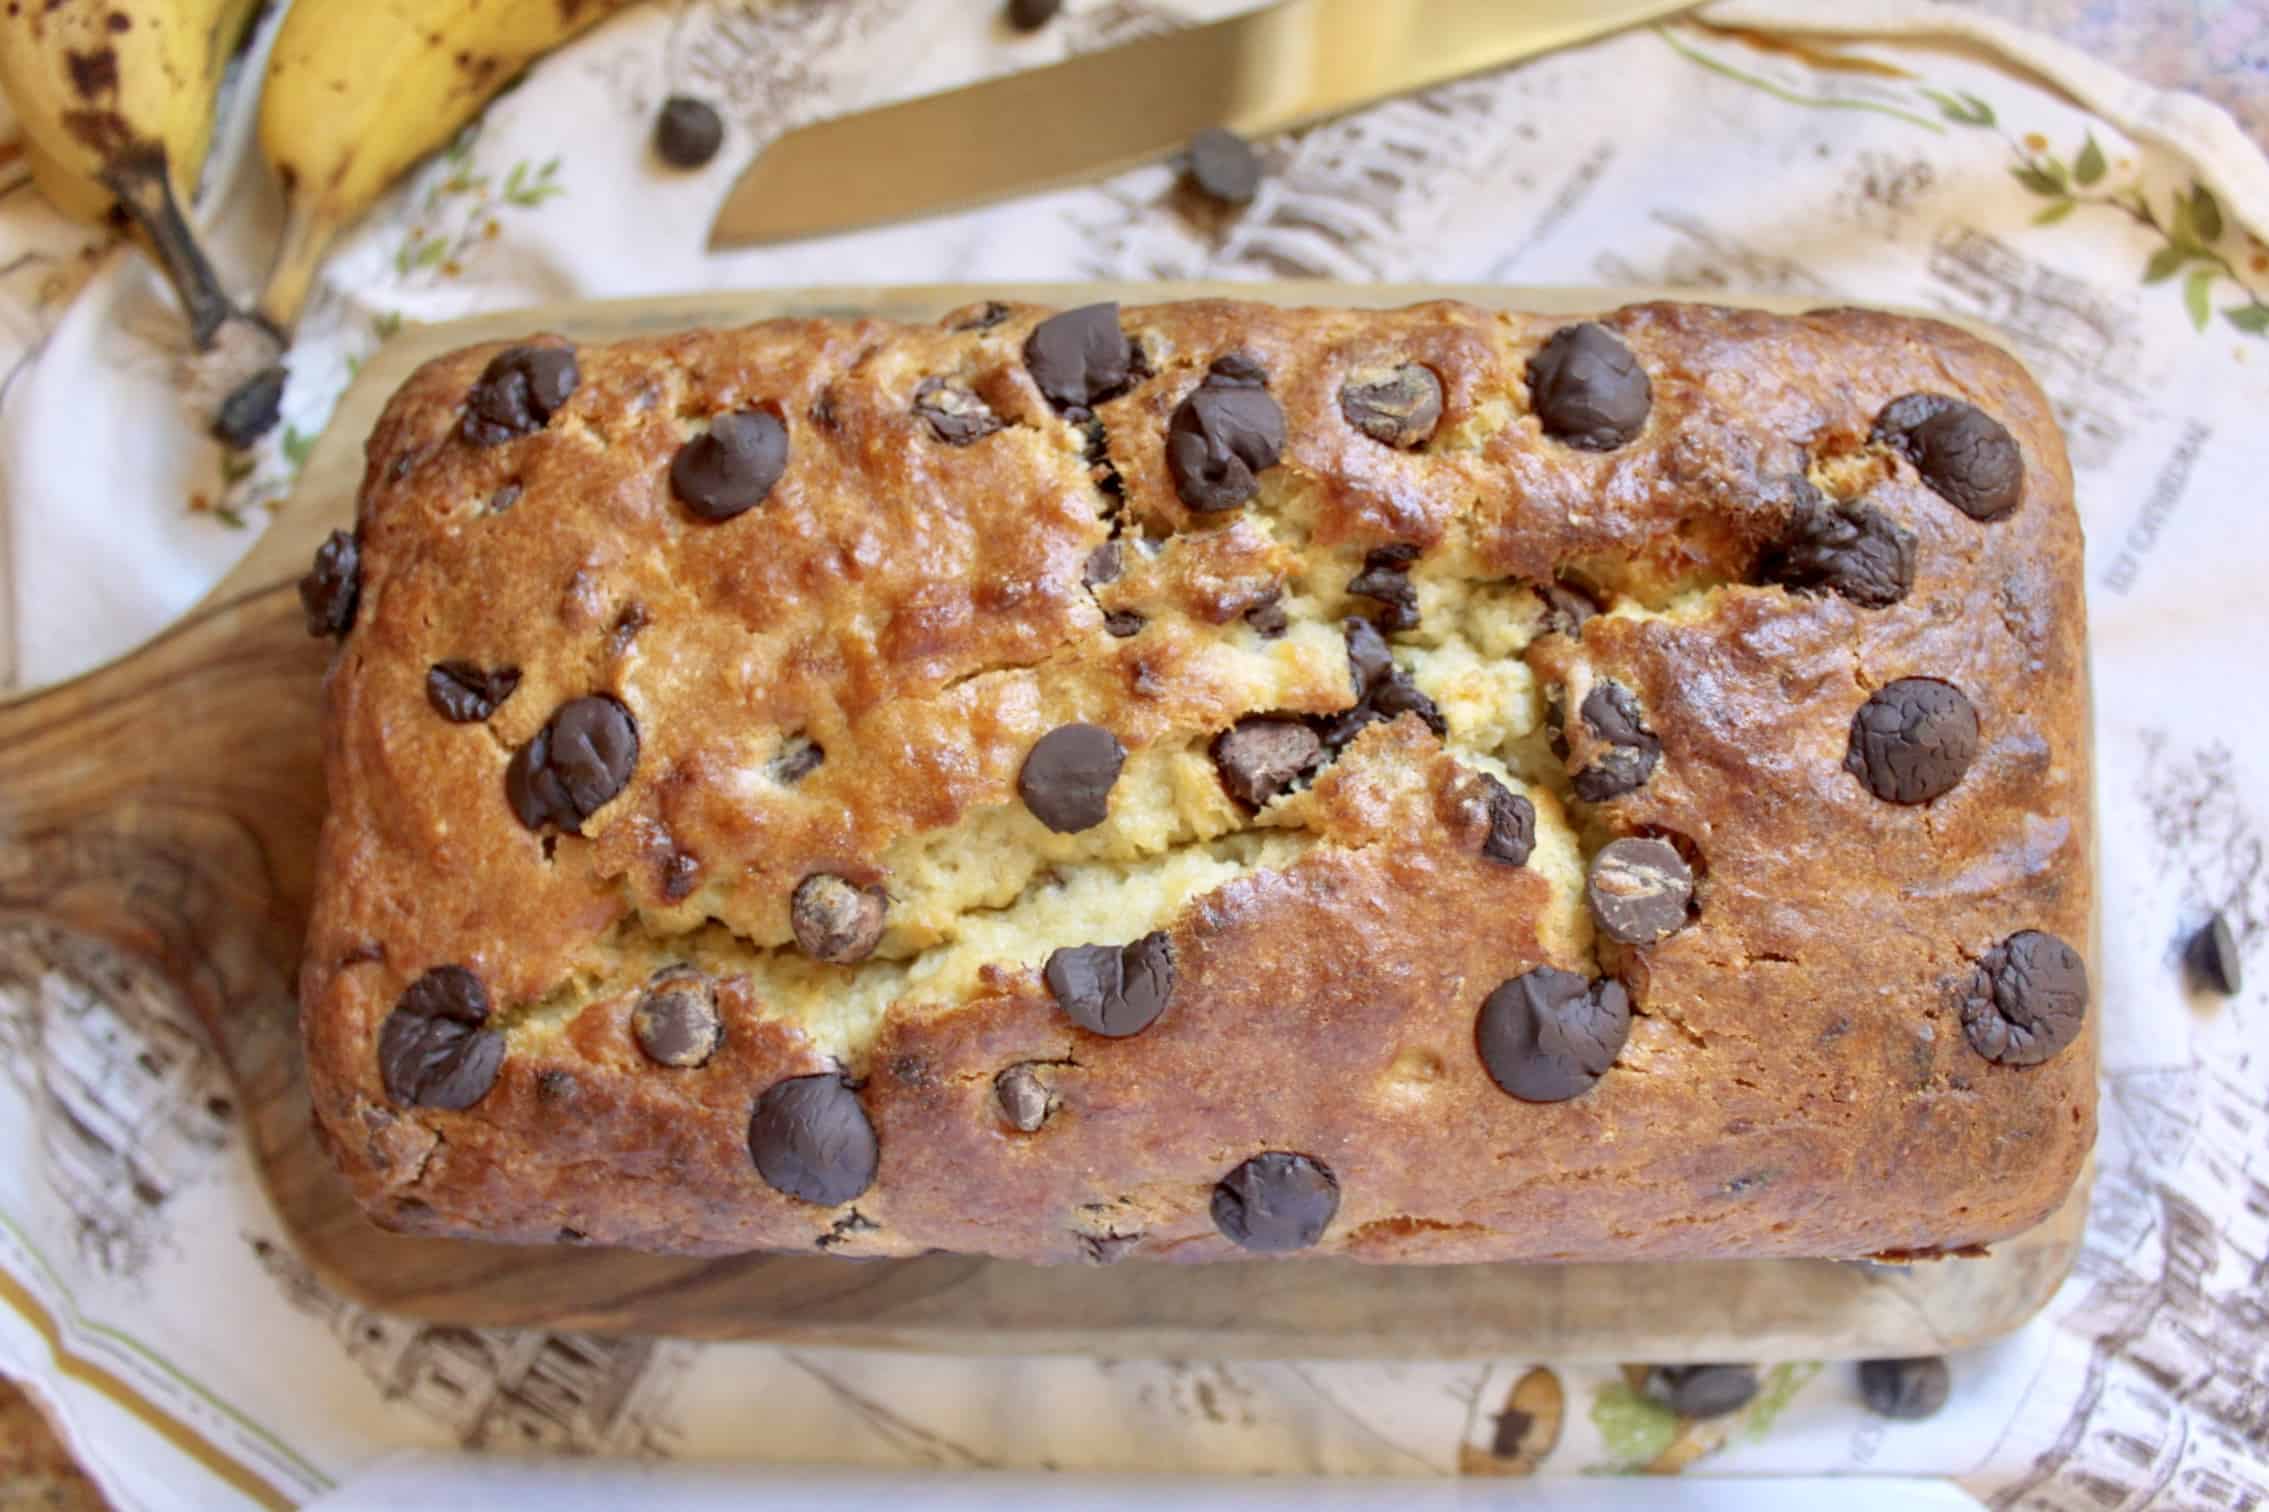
168 803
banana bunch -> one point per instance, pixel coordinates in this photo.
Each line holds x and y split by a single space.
116 101
358 90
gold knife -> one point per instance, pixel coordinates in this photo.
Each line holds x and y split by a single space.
1261 72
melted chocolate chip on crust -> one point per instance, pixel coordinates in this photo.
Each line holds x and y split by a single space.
1080 357
462 692
1639 890
1852 549
811 1140
1587 389
435 1051
578 761
1549 1035
676 1021
1913 740
1398 410
835 919
2027 1000
1960 452
1113 990
328 595
1262 755
518 393
1222 437
1277 1202
1066 781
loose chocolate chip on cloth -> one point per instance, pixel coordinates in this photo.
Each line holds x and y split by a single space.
731 467
578 761
1067 777
1700 1391
2027 1000
1276 1202
1639 890
1400 409
1963 454
811 1139
1906 1390
688 132
2214 958
332 588
1549 1035
1587 389
1227 432
464 692
1080 357
518 393
1113 990
1222 166
435 1050
675 1021
1913 740
836 920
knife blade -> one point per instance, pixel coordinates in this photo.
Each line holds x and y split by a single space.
1261 72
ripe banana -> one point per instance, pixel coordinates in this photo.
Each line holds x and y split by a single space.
115 99
358 90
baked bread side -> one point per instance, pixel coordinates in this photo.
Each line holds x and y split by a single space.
1212 779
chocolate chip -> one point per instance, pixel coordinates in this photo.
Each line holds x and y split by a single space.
1913 740
555 1087
955 413
1400 409
1237 370
433 1051
1104 565
1850 548
465 693
798 757
1080 357
1066 779
1549 1035
1386 577
811 1140
1223 166
676 1020
581 758
1221 437
1382 690
328 595
730 468
626 627
1031 15
1587 389
688 132
1262 755
250 410
505 497
1512 823
1113 990
1961 453
1639 889
679 874
1700 1391
1268 618
989 314
835 919
518 393
2027 1000
1121 623
1275 1202
1613 715
1565 608
2214 957
1023 1097
1906 1390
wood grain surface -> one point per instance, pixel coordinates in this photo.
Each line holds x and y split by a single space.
169 803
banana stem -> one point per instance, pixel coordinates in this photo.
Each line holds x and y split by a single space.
144 189
307 236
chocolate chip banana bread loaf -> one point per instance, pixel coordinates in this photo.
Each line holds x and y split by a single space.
1212 779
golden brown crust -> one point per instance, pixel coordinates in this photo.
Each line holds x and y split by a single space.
1796 1082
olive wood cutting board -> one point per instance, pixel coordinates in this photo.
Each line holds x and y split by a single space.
168 803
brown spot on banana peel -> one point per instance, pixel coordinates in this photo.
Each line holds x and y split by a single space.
93 74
